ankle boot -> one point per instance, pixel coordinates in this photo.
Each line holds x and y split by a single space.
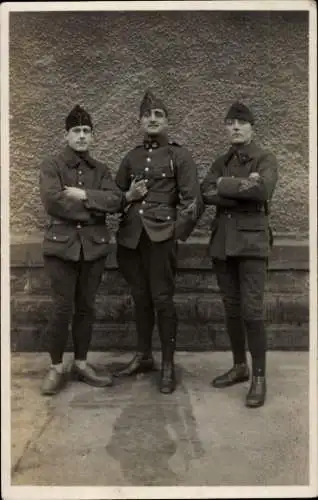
141 363
237 374
257 392
167 379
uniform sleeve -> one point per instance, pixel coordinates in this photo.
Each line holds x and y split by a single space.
53 197
209 190
253 189
191 204
109 198
123 179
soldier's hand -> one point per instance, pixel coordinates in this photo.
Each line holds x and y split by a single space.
137 190
254 175
75 193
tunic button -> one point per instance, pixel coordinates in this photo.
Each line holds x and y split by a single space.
103 239
54 237
163 175
229 216
147 169
143 202
78 225
80 172
80 183
168 217
150 150
148 159
141 211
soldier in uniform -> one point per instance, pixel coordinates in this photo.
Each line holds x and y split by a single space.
77 191
240 184
148 234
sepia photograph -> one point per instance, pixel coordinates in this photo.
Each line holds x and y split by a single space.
159 250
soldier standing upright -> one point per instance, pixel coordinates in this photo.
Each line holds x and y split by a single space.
77 191
241 183
148 234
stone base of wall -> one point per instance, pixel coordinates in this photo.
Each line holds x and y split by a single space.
200 311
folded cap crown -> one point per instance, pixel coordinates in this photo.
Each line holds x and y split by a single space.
149 102
239 111
78 117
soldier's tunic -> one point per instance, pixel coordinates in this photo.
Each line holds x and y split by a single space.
75 243
149 230
239 244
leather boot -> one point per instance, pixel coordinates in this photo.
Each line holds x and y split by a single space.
167 379
236 375
53 382
141 363
167 326
257 392
90 377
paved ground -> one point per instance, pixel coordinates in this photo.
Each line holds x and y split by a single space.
131 435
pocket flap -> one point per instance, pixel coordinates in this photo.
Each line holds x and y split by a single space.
60 238
164 214
98 238
163 172
251 224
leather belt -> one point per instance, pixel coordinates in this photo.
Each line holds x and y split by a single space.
157 197
251 209
97 222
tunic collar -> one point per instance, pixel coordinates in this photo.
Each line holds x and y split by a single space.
155 141
72 159
243 153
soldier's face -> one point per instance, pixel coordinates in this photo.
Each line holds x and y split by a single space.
239 131
79 138
154 122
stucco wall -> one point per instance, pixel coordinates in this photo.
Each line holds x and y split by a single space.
199 62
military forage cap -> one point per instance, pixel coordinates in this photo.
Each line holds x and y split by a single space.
77 117
150 101
241 112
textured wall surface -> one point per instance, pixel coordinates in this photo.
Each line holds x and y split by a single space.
198 61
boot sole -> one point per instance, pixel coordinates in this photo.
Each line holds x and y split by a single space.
79 378
229 384
167 391
135 372
254 405
53 392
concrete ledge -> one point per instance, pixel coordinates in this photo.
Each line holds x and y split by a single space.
198 302
35 281
191 337
191 308
288 253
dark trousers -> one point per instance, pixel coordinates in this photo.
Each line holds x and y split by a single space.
150 271
242 285
74 286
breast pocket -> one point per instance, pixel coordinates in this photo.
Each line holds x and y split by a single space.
165 171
